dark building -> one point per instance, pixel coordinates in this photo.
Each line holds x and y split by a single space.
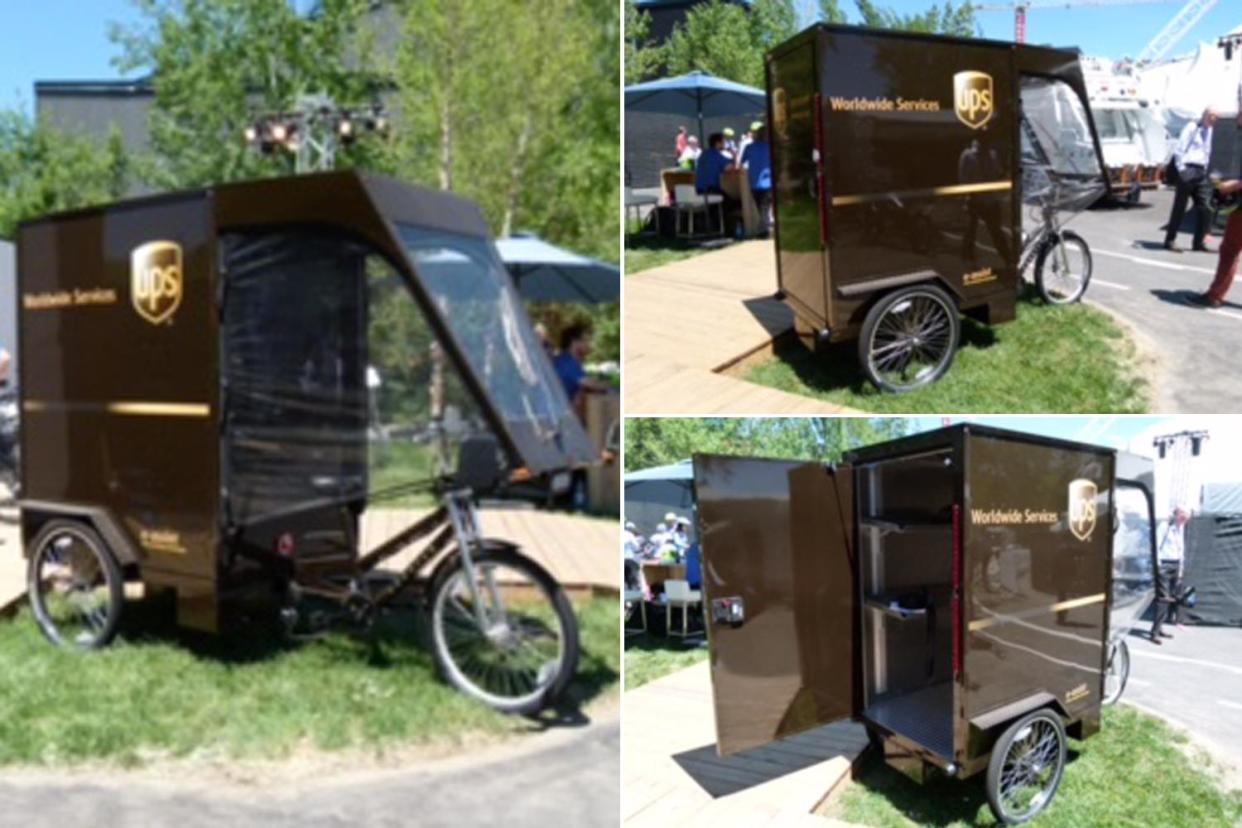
94 107
666 14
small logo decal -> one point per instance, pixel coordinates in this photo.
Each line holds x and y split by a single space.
1082 508
155 280
972 98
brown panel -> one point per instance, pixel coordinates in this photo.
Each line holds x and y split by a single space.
119 400
1036 580
764 667
821 519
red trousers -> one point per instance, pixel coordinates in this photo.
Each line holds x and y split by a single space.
1230 249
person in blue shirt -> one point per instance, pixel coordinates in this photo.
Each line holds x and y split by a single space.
575 346
712 162
757 159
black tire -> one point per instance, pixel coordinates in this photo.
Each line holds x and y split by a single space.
546 690
78 549
1052 288
1039 734
893 338
1118 670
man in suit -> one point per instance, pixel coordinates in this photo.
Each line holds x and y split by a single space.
1194 150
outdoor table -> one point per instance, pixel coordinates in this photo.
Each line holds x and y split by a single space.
671 177
736 184
657 573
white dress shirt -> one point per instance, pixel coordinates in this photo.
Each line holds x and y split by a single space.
1194 146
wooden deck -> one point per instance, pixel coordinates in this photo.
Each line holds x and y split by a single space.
688 321
671 775
582 553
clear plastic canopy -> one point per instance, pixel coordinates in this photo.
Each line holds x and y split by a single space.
1060 166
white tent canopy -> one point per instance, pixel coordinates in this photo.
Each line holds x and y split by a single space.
652 493
1187 85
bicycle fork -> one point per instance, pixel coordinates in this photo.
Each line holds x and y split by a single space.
464 518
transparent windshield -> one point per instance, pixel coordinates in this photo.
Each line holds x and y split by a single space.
1060 167
1133 576
473 294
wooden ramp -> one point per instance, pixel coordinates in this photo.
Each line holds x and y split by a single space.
671 775
582 553
688 321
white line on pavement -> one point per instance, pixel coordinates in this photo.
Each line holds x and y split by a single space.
1138 682
1109 284
1226 313
1152 262
1234 705
1160 656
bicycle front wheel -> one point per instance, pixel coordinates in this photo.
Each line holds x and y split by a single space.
504 634
1063 269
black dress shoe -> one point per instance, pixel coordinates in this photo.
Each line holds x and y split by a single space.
1203 248
1172 248
1155 640
1164 634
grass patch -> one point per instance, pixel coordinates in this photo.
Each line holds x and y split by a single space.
1133 773
395 463
647 657
159 693
1068 359
644 253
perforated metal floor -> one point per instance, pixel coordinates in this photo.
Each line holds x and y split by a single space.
926 716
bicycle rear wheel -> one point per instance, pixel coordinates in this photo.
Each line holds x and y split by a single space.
1063 269
516 648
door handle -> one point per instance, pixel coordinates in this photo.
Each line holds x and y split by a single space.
731 611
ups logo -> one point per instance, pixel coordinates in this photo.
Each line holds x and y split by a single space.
155 280
973 98
1082 508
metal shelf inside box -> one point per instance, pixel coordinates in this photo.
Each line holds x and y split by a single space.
924 715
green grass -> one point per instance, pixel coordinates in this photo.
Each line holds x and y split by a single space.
644 253
393 463
1068 359
648 657
159 694
1133 773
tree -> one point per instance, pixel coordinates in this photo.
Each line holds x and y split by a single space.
214 64
643 57
718 38
946 19
43 170
657 441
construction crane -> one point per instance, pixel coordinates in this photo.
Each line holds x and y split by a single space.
1175 30
1019 8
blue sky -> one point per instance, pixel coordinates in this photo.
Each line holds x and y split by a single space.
58 40
67 39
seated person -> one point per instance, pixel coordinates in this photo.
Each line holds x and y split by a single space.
712 162
694 570
757 159
686 160
575 346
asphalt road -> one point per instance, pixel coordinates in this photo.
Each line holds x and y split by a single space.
1147 286
1194 680
552 779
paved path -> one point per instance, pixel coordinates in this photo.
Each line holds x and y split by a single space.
671 774
1147 286
1194 679
555 779
687 321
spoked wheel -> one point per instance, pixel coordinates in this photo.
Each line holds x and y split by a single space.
1026 765
75 586
1118 672
516 648
909 338
1063 269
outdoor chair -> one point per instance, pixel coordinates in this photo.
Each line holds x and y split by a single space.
635 202
690 204
635 599
678 594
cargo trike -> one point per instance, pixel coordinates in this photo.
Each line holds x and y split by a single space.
900 165
950 590
206 375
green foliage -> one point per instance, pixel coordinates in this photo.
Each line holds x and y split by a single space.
649 657
216 63
657 441
730 39
43 170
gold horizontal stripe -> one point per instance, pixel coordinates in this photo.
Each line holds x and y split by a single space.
952 189
140 408
984 623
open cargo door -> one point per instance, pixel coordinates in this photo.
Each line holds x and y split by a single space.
782 648
796 137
